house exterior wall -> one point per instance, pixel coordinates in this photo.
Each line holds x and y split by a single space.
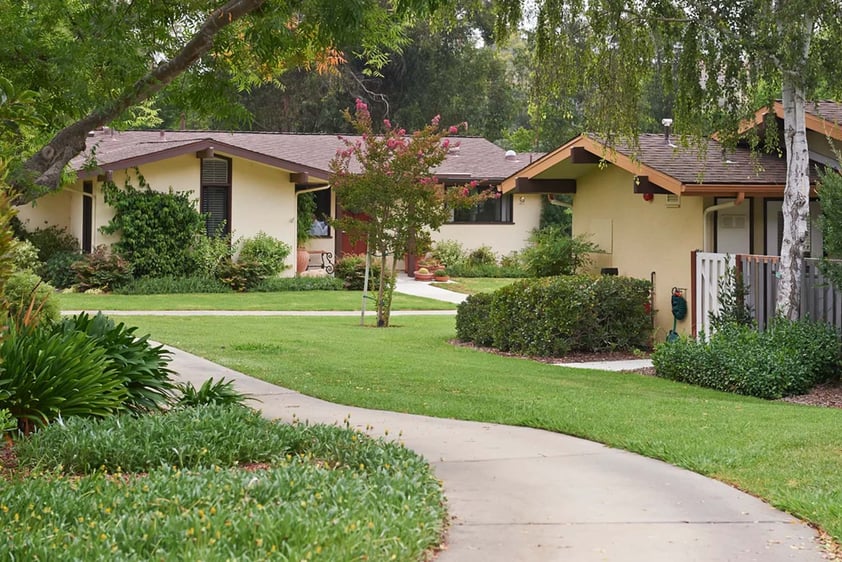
503 238
262 199
640 237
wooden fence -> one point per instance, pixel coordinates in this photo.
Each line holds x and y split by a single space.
820 300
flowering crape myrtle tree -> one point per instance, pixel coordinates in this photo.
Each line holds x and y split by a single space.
386 182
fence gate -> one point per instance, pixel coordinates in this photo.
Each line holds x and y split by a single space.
709 268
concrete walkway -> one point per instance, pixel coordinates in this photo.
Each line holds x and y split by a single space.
526 495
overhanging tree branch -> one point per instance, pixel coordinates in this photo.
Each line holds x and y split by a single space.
43 169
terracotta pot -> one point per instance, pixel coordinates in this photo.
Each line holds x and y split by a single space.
423 276
302 260
442 278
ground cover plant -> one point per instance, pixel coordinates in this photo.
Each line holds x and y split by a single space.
285 300
414 368
215 483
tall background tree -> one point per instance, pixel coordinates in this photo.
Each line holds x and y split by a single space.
717 60
95 62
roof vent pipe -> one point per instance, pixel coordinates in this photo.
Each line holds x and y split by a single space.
667 123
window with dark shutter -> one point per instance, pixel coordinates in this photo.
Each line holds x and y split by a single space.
216 195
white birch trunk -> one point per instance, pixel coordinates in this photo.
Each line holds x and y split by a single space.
796 205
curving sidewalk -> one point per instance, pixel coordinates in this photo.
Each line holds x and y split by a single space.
525 495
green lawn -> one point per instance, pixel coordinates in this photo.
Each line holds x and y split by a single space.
787 454
472 285
284 300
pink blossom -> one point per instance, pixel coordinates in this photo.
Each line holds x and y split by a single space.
474 183
453 130
436 120
464 192
401 132
445 143
387 124
361 106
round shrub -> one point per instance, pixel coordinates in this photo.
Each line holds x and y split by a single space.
52 240
58 270
483 255
30 299
270 253
473 319
448 252
351 269
25 256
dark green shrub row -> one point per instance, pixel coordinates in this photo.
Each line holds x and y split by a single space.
788 358
553 316
170 285
278 284
351 270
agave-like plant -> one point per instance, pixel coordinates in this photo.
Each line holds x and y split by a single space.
142 366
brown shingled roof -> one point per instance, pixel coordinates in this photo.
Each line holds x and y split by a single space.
475 158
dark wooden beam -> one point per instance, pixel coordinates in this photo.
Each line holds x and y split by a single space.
299 177
581 155
643 185
206 153
527 186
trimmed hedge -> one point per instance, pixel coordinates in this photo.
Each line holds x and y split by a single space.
472 317
553 316
787 359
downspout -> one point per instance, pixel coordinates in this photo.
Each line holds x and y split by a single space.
713 208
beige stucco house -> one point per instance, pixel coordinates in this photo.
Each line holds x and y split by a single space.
250 182
650 206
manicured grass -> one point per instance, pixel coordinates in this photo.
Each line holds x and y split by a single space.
471 285
787 454
287 300
319 492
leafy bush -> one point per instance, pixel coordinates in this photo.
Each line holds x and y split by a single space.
58 270
24 256
52 240
448 252
54 374
278 284
733 303
102 269
170 285
473 319
483 255
267 251
208 253
241 275
552 316
789 358
221 393
30 300
157 229
351 270
7 420
140 366
553 253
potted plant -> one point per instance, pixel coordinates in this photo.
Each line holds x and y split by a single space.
423 274
306 213
440 275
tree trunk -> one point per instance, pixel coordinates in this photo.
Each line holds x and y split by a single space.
796 204
44 167
382 310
